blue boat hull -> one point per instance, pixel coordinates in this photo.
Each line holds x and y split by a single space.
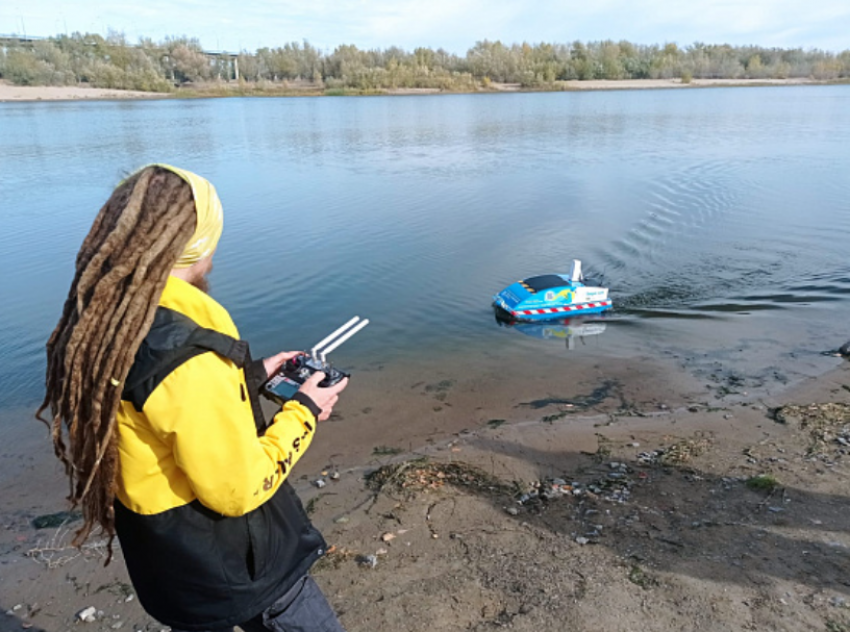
550 313
553 296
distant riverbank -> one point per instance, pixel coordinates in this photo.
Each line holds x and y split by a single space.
10 92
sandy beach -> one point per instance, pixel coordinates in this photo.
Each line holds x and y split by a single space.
638 84
663 507
10 92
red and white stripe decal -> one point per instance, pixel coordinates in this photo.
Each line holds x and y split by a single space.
559 310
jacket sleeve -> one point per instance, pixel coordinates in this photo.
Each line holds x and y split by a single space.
203 412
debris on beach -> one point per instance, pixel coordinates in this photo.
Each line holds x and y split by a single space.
842 352
615 486
367 561
87 615
59 519
827 426
679 452
422 475
811 415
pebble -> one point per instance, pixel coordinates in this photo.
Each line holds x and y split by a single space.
838 602
582 540
320 483
117 625
128 599
512 511
613 487
341 520
335 476
387 537
369 561
87 615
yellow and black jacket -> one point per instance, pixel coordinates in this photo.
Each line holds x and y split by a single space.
211 531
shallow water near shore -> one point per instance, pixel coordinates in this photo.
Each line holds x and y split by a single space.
719 218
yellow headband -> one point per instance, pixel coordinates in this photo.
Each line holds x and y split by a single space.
210 217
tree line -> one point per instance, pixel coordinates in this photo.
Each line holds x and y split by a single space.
113 62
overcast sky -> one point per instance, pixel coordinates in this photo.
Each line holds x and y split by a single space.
451 24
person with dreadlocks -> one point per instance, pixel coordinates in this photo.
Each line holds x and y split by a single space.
155 416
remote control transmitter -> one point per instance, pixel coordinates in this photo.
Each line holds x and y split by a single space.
281 386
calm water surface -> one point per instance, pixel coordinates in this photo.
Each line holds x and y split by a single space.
719 217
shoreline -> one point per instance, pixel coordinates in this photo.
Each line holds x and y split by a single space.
668 524
14 94
11 93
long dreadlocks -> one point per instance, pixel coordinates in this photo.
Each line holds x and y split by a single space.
121 271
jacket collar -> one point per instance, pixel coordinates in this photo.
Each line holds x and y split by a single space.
185 298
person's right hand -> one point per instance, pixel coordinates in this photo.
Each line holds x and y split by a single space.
324 397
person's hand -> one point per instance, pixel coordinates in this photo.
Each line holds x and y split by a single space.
273 363
324 397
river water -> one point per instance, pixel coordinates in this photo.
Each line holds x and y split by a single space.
720 219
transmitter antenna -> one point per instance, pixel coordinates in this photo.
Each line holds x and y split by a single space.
336 338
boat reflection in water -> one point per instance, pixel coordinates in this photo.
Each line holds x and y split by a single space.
567 329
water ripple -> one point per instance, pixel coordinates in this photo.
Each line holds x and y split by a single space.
705 210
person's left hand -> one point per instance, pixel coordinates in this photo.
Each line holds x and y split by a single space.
273 363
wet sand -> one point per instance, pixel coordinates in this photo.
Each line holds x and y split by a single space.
691 543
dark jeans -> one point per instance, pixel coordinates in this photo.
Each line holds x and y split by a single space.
303 608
